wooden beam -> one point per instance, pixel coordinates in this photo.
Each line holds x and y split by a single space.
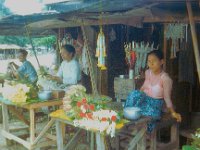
19 115
170 0
194 37
163 19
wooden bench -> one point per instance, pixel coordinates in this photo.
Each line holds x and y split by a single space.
151 139
166 122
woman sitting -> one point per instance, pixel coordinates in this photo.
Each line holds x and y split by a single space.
69 71
155 91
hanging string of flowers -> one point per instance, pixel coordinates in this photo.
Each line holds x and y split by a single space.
101 50
136 55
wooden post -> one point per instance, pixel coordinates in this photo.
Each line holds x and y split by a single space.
5 119
59 136
165 48
32 126
194 37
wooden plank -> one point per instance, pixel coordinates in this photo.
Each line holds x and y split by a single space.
100 145
175 135
73 140
18 115
59 135
5 118
194 37
171 19
42 104
92 141
43 144
32 126
135 140
15 138
45 129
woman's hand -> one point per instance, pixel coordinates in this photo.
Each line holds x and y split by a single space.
54 78
177 116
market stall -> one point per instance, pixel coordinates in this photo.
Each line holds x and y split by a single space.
19 100
32 108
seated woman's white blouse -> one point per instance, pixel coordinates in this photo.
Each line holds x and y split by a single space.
69 72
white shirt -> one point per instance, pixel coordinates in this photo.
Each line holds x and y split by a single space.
69 72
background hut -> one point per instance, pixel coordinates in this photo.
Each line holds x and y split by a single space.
8 51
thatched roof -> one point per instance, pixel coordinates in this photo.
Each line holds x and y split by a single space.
88 12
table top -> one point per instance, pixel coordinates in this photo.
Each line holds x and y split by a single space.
62 116
33 103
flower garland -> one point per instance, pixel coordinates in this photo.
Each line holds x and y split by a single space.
89 117
88 111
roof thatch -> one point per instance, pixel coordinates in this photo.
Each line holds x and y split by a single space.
89 12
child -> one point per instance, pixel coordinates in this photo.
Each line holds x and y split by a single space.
155 91
26 71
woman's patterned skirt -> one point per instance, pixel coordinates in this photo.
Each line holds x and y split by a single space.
149 106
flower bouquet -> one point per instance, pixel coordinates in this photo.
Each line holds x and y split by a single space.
16 93
88 111
92 116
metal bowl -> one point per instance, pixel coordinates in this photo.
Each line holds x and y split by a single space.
44 95
132 113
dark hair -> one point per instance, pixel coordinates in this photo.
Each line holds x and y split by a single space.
157 53
23 51
69 48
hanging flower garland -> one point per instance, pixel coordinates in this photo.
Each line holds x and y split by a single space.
101 50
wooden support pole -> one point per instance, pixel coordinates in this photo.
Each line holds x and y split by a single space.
194 37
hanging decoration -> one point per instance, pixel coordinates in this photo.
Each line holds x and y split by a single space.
112 35
101 50
136 56
67 40
176 32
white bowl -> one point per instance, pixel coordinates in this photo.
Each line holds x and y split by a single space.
44 95
132 113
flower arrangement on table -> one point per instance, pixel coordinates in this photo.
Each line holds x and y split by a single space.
16 93
19 92
94 116
89 112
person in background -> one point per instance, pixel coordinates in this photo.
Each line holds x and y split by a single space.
154 92
26 71
69 71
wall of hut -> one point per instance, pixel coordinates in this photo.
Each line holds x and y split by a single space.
182 69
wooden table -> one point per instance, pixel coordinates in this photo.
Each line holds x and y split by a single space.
138 128
34 141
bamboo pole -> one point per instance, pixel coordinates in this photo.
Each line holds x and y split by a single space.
194 37
31 42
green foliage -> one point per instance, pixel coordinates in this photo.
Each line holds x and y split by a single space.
23 41
45 41
196 141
